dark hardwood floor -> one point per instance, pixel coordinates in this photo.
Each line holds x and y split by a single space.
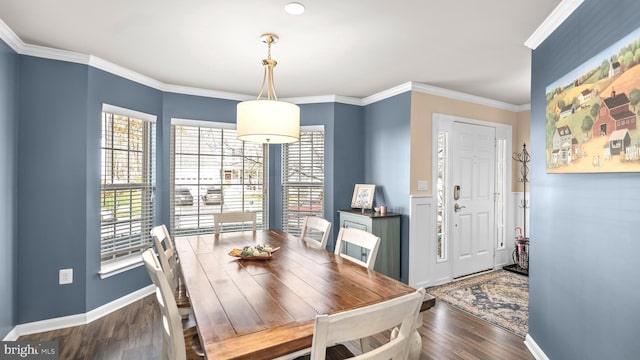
133 332
449 333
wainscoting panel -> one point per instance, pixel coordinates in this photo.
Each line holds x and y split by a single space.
424 269
419 240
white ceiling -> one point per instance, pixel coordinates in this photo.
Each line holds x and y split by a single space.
353 48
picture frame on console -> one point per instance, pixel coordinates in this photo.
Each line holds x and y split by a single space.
363 196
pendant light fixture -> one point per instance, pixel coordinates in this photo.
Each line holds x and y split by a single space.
268 121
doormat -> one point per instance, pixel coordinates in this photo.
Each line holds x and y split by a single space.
499 297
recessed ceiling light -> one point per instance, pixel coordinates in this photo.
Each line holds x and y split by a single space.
294 8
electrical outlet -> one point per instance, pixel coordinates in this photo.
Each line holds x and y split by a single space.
66 276
423 185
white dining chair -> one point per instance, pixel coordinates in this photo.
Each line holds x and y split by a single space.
177 344
171 268
362 240
315 231
398 315
236 217
359 238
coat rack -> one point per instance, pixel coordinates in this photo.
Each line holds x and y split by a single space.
523 158
521 251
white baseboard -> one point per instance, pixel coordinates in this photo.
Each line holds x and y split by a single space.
534 349
12 335
119 303
78 319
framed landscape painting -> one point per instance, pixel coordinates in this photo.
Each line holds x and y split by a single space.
592 113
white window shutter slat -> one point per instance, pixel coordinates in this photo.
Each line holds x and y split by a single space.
303 180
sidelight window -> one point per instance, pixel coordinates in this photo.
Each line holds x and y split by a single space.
442 205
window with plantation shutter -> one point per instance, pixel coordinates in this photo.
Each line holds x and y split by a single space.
303 179
214 172
126 195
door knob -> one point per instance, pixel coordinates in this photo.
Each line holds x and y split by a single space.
457 207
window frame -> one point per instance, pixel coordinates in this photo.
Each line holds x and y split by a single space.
205 226
142 240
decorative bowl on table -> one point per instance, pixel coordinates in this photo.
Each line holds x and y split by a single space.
254 252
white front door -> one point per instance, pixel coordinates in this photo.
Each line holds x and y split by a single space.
472 212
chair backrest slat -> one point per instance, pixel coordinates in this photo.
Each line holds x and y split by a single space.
367 321
167 254
359 238
234 217
316 227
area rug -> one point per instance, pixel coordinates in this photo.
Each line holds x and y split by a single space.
499 297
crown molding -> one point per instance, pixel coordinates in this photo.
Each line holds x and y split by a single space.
324 99
186 90
124 72
385 94
54 54
551 23
9 37
301 100
456 95
348 100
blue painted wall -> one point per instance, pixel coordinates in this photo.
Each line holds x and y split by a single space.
59 192
52 217
56 116
584 292
103 87
9 66
387 133
349 160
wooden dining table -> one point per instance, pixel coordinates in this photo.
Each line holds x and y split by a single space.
263 309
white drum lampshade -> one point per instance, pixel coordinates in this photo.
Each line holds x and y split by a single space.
268 121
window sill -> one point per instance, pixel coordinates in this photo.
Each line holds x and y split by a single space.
116 267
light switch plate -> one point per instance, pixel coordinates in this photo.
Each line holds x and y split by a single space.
423 185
